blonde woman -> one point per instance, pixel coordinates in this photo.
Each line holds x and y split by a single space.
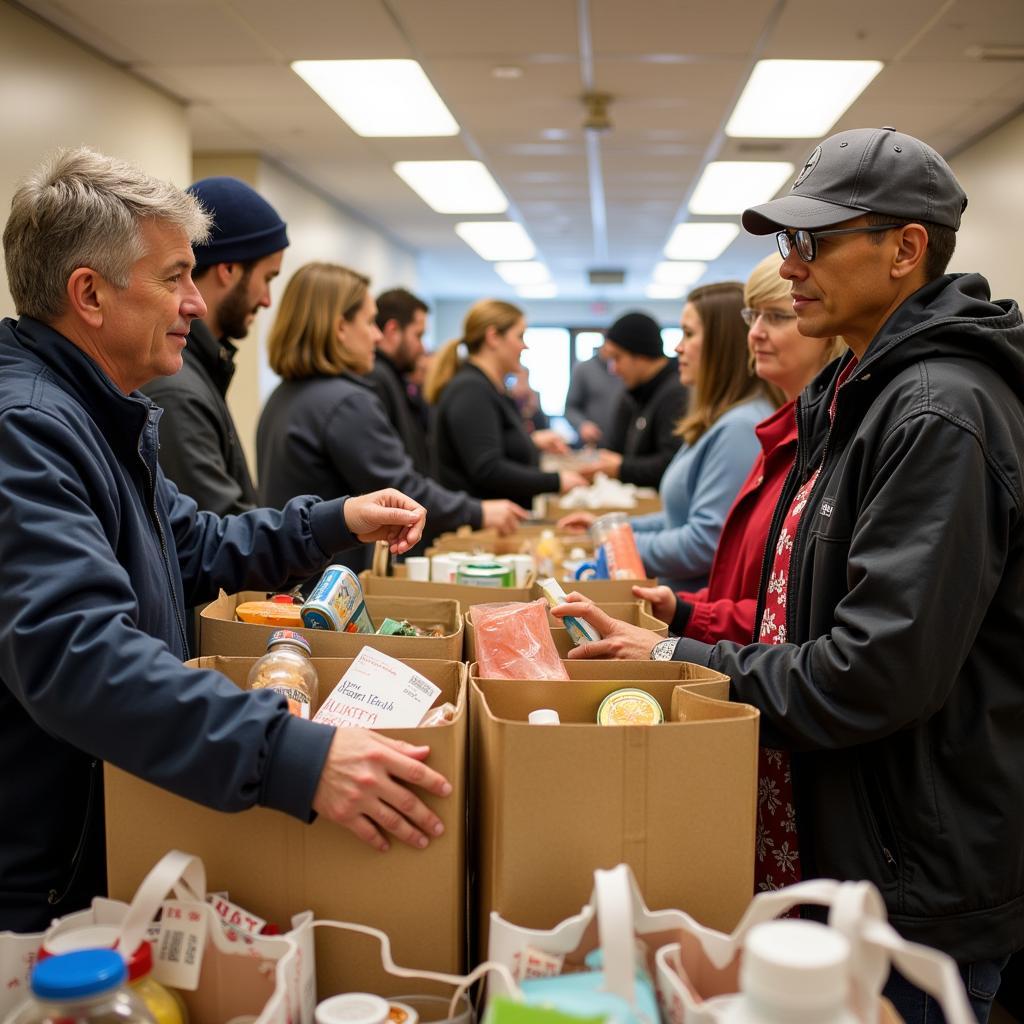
324 429
480 443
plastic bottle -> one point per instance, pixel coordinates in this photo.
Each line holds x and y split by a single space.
84 987
163 1003
287 667
793 972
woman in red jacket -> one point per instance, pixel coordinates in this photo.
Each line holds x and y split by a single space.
725 608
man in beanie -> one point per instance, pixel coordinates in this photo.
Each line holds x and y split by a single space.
891 613
642 440
200 450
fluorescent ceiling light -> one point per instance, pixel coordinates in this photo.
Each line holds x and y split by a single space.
529 272
679 274
538 291
827 88
453 186
698 241
379 98
664 291
496 239
730 186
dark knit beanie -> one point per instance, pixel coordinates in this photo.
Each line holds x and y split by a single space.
637 333
245 226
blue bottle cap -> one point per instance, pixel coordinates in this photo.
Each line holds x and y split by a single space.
86 972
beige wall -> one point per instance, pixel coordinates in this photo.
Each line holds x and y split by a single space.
56 93
991 234
318 229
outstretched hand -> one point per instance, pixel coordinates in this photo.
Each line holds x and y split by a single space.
620 641
386 515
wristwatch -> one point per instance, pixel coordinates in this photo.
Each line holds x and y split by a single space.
664 649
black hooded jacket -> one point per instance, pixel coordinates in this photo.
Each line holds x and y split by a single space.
901 691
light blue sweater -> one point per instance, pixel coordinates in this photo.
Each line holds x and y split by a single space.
697 491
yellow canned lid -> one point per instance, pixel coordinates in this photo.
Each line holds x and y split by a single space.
630 707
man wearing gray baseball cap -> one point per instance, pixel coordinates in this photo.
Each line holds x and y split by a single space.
891 613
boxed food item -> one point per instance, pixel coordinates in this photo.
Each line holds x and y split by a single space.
675 801
220 632
276 866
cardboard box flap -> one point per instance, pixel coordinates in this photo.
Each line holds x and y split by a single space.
450 676
577 702
221 633
697 702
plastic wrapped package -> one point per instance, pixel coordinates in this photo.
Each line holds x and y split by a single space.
513 641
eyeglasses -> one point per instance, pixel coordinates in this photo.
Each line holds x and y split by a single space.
769 317
806 242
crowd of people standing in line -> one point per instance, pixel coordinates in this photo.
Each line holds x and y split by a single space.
843 524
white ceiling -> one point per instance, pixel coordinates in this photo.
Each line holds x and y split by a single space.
674 68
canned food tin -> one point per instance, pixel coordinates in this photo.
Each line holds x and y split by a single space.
630 706
485 574
337 603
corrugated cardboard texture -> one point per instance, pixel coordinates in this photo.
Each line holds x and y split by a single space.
553 510
220 633
600 591
628 611
677 802
277 866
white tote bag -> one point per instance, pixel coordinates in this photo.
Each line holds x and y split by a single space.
269 977
695 967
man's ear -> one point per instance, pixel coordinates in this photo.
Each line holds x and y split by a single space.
87 293
226 273
911 251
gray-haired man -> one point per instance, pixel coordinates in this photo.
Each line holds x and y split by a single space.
101 555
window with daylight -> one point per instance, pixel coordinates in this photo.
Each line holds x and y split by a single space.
670 338
547 359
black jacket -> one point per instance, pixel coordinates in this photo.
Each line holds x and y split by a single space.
101 555
901 694
199 447
644 428
480 443
390 387
330 436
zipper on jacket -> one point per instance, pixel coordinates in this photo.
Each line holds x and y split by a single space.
878 816
54 898
163 544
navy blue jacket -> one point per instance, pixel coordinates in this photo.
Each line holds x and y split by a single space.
100 557
900 690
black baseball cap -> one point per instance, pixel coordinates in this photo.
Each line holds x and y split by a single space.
865 170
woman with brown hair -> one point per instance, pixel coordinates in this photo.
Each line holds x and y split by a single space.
480 443
324 429
719 444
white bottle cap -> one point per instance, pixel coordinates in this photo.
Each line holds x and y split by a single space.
544 716
352 1008
801 965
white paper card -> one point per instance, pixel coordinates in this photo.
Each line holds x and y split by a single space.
378 692
234 916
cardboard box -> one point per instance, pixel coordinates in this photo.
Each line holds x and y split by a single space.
551 506
220 633
550 804
628 611
276 866
600 591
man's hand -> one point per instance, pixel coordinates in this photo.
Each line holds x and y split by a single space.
386 515
359 789
620 641
663 601
590 432
503 516
549 441
575 522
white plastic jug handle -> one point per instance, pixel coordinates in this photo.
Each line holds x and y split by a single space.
613 895
181 873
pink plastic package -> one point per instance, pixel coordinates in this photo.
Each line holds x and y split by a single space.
513 641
